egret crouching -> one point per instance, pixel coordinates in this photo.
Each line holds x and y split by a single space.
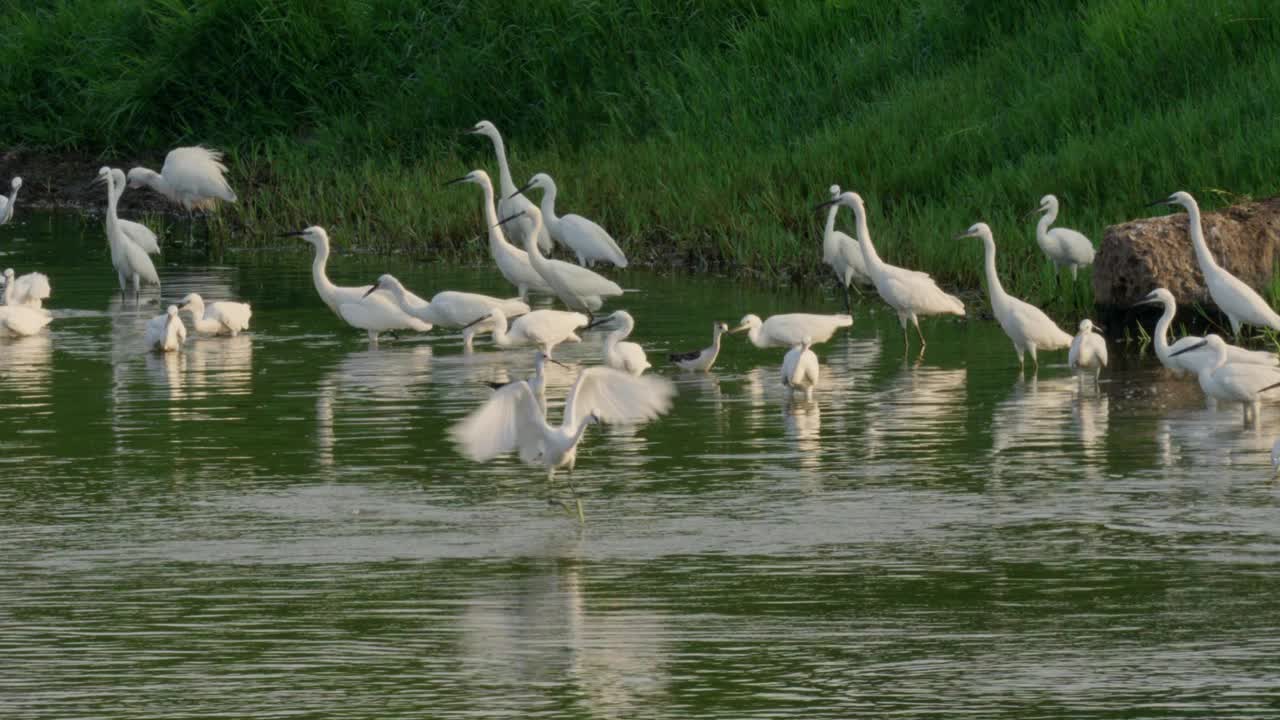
165 333
800 369
584 238
30 290
701 360
216 318
193 177
626 356
449 309
1088 350
1192 362
7 204
1233 382
512 421
544 328
791 329
1065 247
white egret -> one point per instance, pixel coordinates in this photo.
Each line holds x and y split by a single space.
7 204
216 318
374 314
192 177
625 356
543 328
701 360
511 420
140 234
511 203
128 257
800 369
1025 324
1065 247
1233 382
586 239
910 293
577 287
1192 362
512 262
1088 350
165 333
1233 296
30 290
537 381
449 309
842 253
21 320
791 329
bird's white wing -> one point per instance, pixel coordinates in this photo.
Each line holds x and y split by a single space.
1243 381
590 240
21 320
140 235
1037 326
235 316
848 250
1073 357
140 263
1075 246
4 208
510 420
617 396
32 288
459 308
923 295
790 362
1099 348
808 369
1251 357
585 281
155 330
199 170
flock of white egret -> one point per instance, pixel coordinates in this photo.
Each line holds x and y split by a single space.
520 236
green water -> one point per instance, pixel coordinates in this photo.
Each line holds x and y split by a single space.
276 526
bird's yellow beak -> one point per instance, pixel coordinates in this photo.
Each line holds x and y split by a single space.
739 329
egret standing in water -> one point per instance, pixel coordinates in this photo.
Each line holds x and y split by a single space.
791 329
511 203
842 253
192 177
130 259
800 369
1025 324
1192 362
165 333
701 360
7 204
512 262
1065 247
583 237
449 309
512 421
216 318
577 287
1088 350
140 234
1233 382
30 290
626 356
909 292
1241 303
543 328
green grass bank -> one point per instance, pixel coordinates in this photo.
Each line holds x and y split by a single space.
699 133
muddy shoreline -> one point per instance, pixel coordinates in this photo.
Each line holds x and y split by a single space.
67 181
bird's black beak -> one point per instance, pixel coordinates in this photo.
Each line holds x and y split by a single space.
566 367
376 287
457 180
521 190
1032 211
508 219
477 321
1099 329
826 204
962 236
1197 346
294 233
1153 203
471 131
1144 301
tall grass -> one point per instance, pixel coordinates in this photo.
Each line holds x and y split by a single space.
699 133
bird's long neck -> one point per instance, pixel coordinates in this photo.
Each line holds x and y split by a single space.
496 237
1042 227
830 228
319 275
754 336
1203 256
1162 328
8 291
994 288
531 246
504 171
864 239
548 204
13 198
499 333
579 430
157 182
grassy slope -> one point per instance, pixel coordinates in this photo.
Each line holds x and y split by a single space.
698 131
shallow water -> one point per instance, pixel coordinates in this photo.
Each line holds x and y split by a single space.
276 526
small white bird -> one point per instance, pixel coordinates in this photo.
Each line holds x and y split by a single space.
512 421
1233 296
374 314
512 262
1065 247
1233 382
216 318
626 356
577 287
842 253
7 204
701 360
449 309
129 259
511 203
1088 350
30 290
140 234
910 293
543 328
537 381
1025 324
800 369
192 177
21 321
791 329
166 333
1192 362
584 238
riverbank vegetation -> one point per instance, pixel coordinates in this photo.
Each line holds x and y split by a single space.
700 134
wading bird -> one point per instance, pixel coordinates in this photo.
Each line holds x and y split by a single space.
30 290
1233 296
626 356
842 253
909 292
1233 382
701 360
449 309
511 203
7 204
1192 362
1025 324
375 314
577 287
140 234
165 333
128 257
512 420
512 262
1065 247
791 329
21 321
584 238
191 177
1088 350
800 369
216 318
537 381
543 328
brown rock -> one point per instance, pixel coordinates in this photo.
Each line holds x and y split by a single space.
1138 256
